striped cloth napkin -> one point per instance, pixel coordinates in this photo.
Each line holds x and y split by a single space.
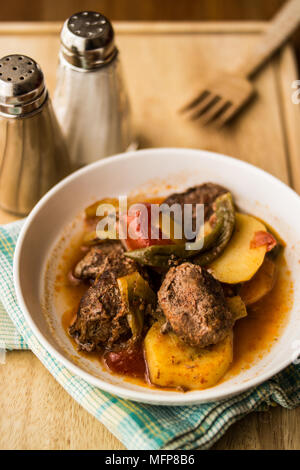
138 426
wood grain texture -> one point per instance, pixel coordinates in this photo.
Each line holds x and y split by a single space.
146 10
162 71
141 27
282 25
227 94
37 413
45 10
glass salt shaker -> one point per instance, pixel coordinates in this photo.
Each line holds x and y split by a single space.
33 154
90 98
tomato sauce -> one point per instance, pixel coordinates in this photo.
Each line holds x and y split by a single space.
255 334
127 362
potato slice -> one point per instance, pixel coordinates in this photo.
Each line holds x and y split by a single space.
239 262
261 284
172 363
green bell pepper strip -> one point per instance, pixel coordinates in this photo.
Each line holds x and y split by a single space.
135 291
209 247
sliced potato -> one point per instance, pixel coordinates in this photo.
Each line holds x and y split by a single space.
172 363
171 229
239 262
261 284
237 307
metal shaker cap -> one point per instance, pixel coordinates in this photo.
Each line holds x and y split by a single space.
22 86
87 40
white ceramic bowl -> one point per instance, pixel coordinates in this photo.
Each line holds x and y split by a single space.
254 190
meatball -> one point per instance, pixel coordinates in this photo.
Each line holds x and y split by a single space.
205 194
91 264
194 305
101 317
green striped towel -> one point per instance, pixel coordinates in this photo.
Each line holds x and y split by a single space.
138 426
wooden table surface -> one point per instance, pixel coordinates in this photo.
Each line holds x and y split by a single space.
164 64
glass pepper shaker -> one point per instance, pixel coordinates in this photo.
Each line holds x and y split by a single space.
90 98
33 154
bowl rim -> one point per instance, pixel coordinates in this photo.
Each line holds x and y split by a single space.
142 395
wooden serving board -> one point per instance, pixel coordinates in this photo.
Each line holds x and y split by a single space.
164 65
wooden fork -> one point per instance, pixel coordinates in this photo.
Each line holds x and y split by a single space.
226 95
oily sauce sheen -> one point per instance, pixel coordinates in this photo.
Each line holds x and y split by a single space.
254 335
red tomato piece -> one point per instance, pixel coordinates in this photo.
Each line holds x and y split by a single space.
140 223
262 238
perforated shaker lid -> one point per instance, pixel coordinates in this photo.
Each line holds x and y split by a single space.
22 86
87 40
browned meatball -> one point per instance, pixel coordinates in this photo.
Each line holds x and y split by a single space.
205 193
92 263
194 305
101 317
